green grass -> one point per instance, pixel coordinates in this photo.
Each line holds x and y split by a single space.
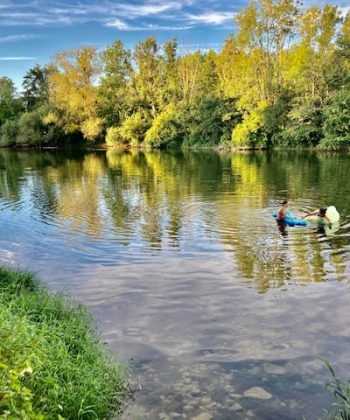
52 363
340 408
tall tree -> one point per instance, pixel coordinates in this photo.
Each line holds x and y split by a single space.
170 69
148 80
188 74
73 90
235 74
9 102
311 55
36 86
264 30
112 91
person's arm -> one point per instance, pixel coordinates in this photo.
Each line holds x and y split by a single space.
311 214
329 222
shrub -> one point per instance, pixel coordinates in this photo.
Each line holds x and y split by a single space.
30 129
337 121
303 127
92 128
113 137
35 128
8 133
165 130
52 362
134 128
209 122
250 132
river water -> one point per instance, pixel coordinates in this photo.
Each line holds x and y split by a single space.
219 312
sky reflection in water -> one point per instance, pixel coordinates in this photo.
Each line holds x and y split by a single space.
179 258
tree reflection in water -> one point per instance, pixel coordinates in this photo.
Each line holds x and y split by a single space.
185 201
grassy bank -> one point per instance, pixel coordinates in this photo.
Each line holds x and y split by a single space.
52 363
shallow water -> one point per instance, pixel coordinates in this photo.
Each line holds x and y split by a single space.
220 312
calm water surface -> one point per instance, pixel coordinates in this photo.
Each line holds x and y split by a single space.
220 313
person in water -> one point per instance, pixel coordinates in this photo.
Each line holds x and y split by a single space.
282 211
320 213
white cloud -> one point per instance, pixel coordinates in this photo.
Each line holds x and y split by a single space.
119 24
18 37
32 14
32 19
21 58
132 12
152 27
71 10
112 13
122 26
135 10
212 18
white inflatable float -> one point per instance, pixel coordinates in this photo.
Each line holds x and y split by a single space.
331 213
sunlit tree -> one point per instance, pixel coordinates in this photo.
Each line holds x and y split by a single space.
73 90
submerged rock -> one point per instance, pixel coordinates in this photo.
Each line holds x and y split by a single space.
274 369
203 416
257 392
236 407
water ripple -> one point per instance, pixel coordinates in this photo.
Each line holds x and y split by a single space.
187 272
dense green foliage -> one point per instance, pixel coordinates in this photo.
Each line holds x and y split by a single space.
281 80
52 363
10 105
337 120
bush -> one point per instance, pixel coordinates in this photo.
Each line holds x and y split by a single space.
113 137
303 127
30 129
165 130
209 122
92 128
134 128
250 134
275 118
52 362
8 133
337 121
36 129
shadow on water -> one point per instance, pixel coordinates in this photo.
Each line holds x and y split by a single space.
181 261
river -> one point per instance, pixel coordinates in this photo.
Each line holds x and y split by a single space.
218 311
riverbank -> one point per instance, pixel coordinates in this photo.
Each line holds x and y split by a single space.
217 148
52 362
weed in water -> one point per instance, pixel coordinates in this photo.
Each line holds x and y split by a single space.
340 408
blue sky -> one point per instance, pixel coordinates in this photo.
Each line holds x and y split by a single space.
32 31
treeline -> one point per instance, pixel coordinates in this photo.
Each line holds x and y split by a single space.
282 79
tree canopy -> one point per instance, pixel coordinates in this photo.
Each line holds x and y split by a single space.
282 78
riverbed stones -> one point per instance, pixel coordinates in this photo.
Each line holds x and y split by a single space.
174 415
272 369
257 392
236 407
254 370
236 396
203 416
206 400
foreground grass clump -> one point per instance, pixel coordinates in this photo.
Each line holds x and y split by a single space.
340 408
52 364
